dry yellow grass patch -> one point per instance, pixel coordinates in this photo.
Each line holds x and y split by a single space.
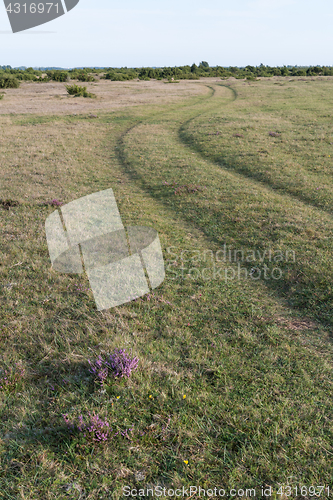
52 98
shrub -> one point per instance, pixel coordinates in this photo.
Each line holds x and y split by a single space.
84 77
8 82
1 96
58 75
43 79
114 78
28 77
78 91
119 77
191 76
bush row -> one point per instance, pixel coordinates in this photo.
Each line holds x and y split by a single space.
177 73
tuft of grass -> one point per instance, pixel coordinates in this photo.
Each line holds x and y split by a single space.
11 378
7 204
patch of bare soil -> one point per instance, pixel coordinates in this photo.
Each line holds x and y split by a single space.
52 98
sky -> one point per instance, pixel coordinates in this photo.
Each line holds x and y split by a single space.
107 33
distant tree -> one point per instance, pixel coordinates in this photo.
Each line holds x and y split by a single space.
194 68
204 64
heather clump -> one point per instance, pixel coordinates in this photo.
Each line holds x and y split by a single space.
117 365
55 203
93 428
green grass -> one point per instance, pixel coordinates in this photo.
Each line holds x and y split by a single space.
252 356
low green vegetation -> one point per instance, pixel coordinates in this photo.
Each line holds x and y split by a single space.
120 76
83 77
193 72
78 91
232 386
8 82
58 76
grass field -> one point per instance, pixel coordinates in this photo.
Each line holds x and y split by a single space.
234 383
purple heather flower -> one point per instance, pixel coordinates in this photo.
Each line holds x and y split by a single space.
118 364
56 203
97 428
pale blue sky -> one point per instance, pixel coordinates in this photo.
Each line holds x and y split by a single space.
177 32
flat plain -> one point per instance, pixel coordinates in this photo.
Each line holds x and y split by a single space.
234 383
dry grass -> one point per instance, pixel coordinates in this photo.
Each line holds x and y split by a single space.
52 99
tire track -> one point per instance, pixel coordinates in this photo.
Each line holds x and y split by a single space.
120 149
144 184
187 140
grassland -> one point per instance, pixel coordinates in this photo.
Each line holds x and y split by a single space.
234 385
